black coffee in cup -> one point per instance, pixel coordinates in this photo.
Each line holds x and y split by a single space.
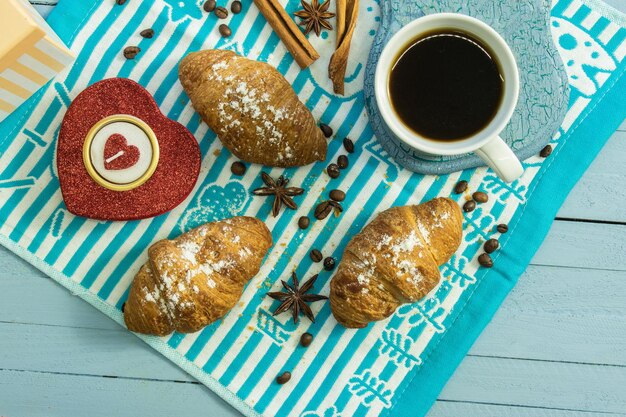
446 85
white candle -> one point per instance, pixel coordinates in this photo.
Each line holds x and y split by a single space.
121 151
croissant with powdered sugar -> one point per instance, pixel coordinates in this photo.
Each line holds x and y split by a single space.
252 108
394 260
197 278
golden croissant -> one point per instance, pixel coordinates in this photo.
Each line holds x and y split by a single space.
197 278
394 260
252 109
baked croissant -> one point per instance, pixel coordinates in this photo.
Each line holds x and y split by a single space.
197 278
394 260
252 108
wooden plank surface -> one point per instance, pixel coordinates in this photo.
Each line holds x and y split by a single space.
42 394
601 193
557 347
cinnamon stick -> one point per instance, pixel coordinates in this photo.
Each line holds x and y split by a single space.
347 12
288 32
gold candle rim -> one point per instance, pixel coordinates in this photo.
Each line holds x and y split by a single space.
89 163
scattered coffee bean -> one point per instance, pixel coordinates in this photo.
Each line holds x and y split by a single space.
546 151
337 195
342 162
120 2
130 52
225 31
326 130
460 187
147 33
303 222
316 255
491 245
236 7
485 260
333 170
221 12
329 263
306 339
123 306
348 145
209 6
503 228
480 197
283 378
322 210
469 206
238 168
336 206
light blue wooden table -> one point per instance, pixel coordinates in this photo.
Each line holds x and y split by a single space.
557 347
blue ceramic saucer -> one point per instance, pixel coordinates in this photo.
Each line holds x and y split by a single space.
544 89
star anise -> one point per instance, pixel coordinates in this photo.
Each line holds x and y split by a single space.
315 16
282 194
296 298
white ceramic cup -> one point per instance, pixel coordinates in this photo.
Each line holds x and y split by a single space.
486 143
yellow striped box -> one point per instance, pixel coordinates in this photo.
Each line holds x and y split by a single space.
31 54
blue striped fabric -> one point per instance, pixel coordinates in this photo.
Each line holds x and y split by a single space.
344 372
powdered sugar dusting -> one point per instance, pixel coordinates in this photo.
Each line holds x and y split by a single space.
424 231
189 250
364 277
178 271
241 100
406 245
149 297
384 241
363 280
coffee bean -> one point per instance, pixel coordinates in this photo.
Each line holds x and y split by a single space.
225 31
221 12
469 206
485 260
546 151
491 245
342 162
326 130
337 195
130 52
209 6
503 228
336 206
238 168
236 7
283 378
329 263
147 33
322 210
316 255
123 306
460 187
348 145
303 222
333 170
480 197
120 2
306 339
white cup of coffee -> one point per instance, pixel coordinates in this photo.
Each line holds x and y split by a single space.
447 84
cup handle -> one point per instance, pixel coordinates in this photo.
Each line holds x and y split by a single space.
499 157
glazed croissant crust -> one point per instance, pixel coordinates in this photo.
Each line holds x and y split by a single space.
252 108
394 260
197 278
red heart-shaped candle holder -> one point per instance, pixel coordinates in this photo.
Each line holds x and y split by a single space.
175 153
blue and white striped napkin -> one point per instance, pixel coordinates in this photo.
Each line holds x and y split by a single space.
343 372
